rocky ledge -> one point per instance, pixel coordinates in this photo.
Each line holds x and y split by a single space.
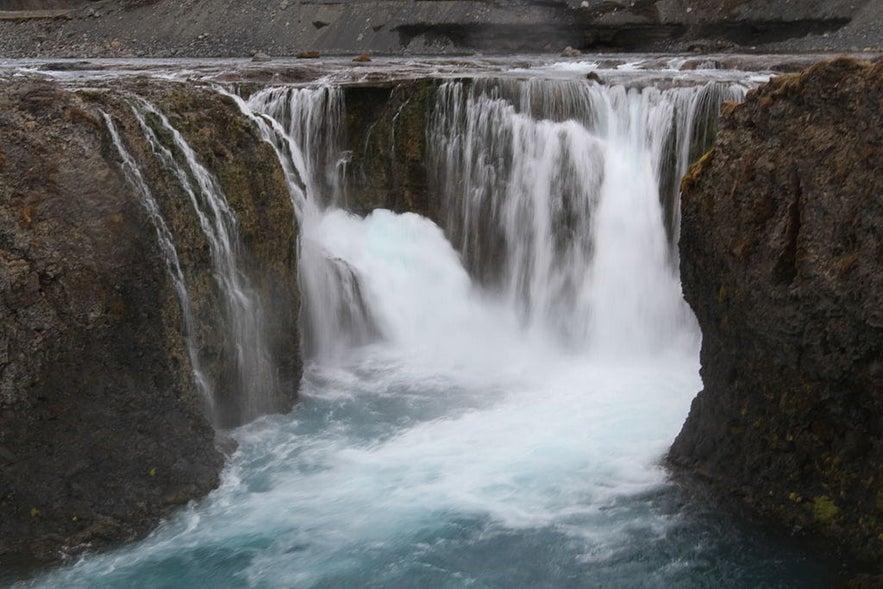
782 261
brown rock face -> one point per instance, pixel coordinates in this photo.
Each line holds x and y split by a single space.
782 261
386 133
102 430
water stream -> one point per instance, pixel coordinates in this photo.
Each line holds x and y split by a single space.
254 369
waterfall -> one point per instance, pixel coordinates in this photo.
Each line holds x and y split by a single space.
304 125
312 120
561 195
468 446
166 243
695 124
553 196
255 374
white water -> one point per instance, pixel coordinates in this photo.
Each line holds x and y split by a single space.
553 195
473 446
303 125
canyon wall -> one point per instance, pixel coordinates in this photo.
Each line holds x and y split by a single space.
782 262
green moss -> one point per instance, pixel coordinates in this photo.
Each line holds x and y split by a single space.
824 509
692 175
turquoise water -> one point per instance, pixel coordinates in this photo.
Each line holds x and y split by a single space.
363 487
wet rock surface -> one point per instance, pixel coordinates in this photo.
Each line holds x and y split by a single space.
386 135
102 430
782 262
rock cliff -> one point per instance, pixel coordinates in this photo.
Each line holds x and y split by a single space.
102 429
782 261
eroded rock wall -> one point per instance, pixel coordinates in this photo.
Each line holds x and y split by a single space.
782 261
253 184
102 429
165 28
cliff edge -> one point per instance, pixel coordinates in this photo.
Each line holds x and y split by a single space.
782 262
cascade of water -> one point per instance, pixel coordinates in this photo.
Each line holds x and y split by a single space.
169 253
552 189
303 125
311 119
696 113
289 154
395 119
255 372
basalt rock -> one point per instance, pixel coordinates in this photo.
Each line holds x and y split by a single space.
782 261
102 429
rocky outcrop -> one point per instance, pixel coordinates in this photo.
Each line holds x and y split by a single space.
102 429
782 261
167 28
